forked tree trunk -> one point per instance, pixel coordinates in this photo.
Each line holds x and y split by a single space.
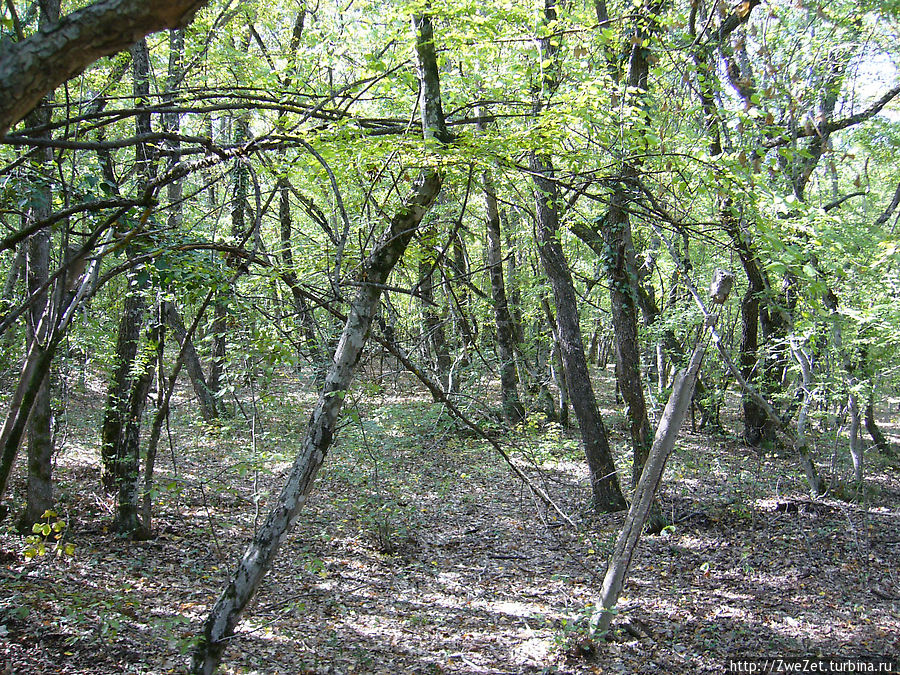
226 613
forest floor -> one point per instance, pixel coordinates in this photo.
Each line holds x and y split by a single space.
420 552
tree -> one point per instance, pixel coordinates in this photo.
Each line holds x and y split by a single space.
228 609
60 51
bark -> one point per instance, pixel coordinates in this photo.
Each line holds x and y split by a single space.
757 425
115 416
607 494
435 344
35 66
128 457
34 372
557 369
622 275
509 379
642 502
289 275
123 399
878 438
228 609
216 378
39 485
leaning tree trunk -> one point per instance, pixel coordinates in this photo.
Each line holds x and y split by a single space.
663 444
226 613
607 495
604 478
208 407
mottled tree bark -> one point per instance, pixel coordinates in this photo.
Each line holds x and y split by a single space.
37 65
39 484
226 613
509 379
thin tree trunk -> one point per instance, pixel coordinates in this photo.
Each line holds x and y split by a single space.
226 613
39 485
509 378
557 368
208 407
878 438
436 348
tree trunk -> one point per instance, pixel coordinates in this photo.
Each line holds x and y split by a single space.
39 485
226 613
557 369
620 270
878 438
128 459
435 340
607 494
642 502
208 407
509 379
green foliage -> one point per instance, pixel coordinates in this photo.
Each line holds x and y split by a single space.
48 537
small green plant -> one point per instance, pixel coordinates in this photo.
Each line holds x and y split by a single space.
47 535
579 634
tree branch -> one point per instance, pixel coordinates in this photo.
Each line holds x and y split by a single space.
35 66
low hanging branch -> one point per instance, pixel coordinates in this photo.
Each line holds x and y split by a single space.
663 444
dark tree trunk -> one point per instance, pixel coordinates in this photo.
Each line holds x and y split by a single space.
604 477
878 438
128 459
557 370
289 275
115 414
509 379
125 385
39 485
620 270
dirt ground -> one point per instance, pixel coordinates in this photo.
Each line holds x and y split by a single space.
421 553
